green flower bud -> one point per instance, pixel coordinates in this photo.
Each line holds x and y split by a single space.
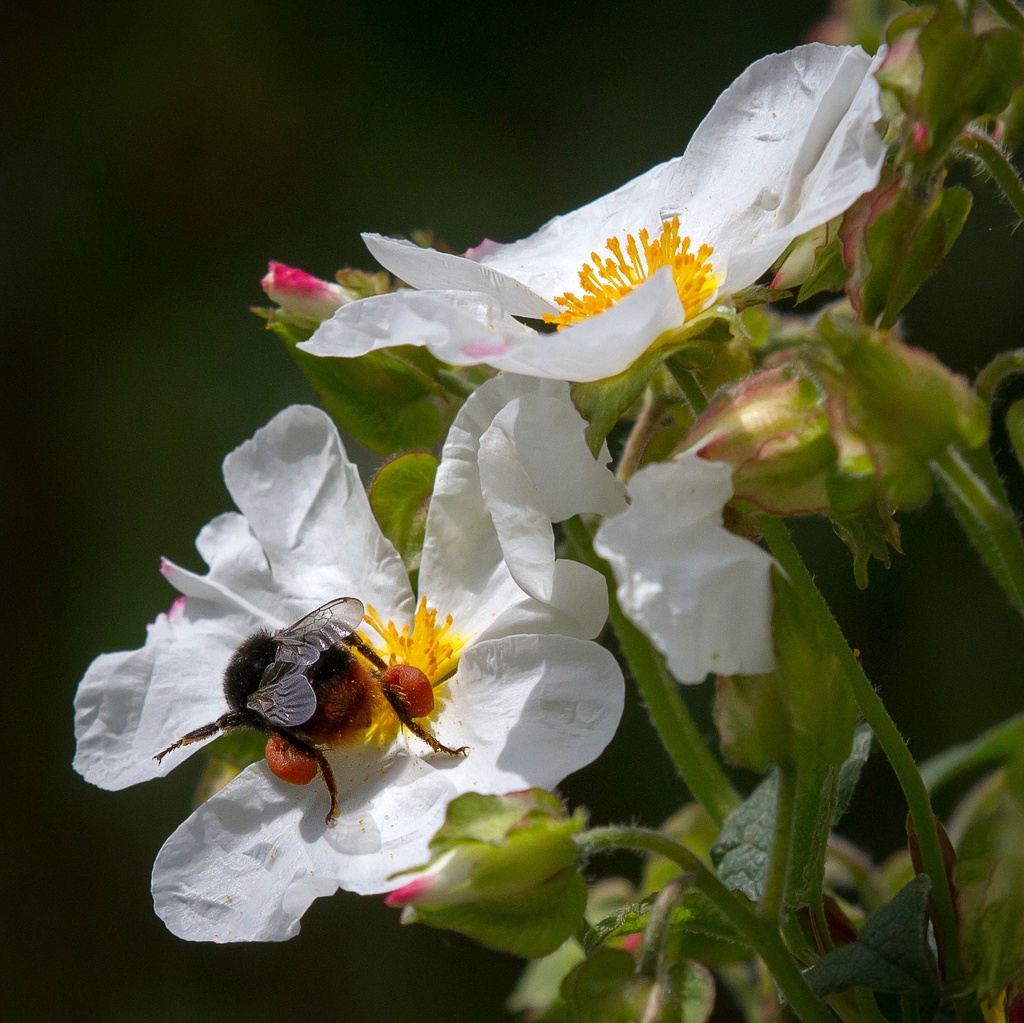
503 871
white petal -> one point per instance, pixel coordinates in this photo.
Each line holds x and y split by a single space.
248 863
592 349
462 571
532 709
535 470
437 319
789 145
307 508
701 593
430 269
133 704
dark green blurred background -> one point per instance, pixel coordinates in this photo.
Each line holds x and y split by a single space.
154 158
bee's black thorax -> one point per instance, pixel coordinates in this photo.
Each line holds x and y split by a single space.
333 663
245 669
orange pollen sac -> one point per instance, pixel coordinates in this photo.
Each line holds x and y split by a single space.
290 763
417 692
607 280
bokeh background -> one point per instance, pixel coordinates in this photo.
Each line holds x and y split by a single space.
154 157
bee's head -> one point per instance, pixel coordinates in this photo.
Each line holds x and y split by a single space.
245 669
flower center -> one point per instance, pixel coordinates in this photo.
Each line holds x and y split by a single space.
425 644
609 279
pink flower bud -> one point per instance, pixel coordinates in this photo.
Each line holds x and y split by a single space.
302 294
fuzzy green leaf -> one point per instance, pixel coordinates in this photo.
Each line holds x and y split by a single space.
400 496
743 850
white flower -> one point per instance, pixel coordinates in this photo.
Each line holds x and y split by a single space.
531 697
788 146
702 594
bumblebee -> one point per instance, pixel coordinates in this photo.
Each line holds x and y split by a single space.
310 686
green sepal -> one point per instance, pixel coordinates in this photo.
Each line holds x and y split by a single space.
966 76
891 953
898 240
828 272
386 400
606 989
534 924
502 871
868 533
603 402
400 497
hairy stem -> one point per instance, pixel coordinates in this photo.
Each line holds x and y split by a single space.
981 146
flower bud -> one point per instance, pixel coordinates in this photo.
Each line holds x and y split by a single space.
302 294
799 261
503 871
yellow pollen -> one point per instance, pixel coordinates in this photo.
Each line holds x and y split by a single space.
426 645
607 280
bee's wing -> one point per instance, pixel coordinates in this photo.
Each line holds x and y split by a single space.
303 642
284 697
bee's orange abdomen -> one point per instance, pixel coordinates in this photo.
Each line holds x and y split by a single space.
343 707
290 763
417 692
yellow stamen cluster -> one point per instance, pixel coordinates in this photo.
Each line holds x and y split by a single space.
609 279
425 645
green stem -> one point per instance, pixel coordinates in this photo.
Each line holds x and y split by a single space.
669 714
761 934
640 436
972 486
782 547
649 962
773 897
692 391
981 146
1009 12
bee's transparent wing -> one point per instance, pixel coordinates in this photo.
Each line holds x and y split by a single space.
327 626
284 697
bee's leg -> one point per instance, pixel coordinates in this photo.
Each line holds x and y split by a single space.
364 648
222 724
325 770
397 700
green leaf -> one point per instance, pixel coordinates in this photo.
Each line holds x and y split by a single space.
891 953
742 853
752 717
383 399
997 744
400 496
